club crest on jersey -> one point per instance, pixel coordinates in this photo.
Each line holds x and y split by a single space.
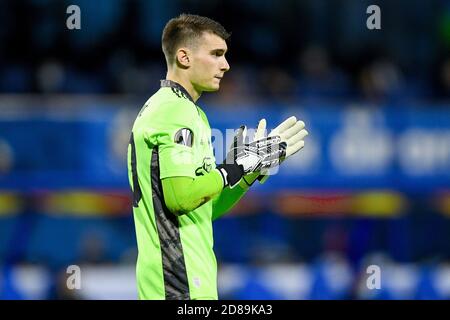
184 137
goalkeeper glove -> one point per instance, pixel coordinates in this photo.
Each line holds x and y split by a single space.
290 131
244 158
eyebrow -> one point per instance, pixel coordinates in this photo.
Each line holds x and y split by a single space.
222 51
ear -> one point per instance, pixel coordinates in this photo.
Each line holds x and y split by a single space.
183 58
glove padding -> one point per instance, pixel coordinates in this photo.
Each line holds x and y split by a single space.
264 153
291 131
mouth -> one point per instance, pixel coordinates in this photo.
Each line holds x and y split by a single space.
217 77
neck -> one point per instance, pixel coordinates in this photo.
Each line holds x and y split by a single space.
180 79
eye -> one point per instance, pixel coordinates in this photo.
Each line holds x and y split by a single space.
218 53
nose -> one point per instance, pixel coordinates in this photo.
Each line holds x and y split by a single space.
225 66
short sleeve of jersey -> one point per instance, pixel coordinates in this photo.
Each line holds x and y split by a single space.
171 127
176 159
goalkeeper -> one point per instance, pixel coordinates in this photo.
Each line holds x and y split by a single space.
177 188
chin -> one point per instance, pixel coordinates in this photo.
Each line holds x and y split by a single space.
212 88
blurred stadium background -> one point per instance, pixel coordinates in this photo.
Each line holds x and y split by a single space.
372 186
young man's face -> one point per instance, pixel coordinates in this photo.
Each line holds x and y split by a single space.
208 63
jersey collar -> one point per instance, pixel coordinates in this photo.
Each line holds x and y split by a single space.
177 88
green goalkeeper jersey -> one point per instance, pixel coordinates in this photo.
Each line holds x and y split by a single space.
171 137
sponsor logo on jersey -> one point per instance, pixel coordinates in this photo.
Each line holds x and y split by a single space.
206 167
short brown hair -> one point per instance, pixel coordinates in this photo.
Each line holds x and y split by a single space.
187 28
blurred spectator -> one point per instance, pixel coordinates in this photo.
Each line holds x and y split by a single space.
444 77
92 248
318 78
381 82
276 84
6 157
51 77
237 88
